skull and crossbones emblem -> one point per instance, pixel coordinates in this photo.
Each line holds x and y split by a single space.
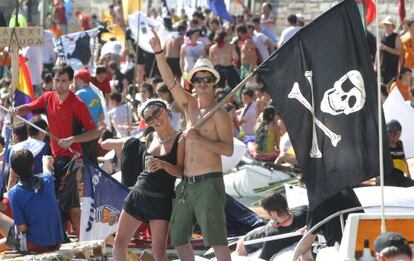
335 101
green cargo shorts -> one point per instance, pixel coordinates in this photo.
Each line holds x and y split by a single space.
202 201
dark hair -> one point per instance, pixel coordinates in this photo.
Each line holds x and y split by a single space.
181 27
100 69
229 107
292 19
48 78
219 36
275 202
20 130
269 114
214 21
250 26
256 20
403 71
269 5
32 131
248 92
116 96
149 87
113 66
409 21
22 163
63 68
241 29
162 87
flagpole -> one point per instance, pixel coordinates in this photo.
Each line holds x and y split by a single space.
380 140
39 129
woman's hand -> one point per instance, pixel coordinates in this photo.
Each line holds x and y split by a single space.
156 164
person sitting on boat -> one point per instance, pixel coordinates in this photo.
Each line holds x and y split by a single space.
286 152
267 136
392 246
36 224
150 200
283 220
400 169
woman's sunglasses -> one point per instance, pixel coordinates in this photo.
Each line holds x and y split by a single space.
210 79
154 115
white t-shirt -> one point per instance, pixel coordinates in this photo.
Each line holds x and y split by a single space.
48 50
120 117
250 117
259 40
34 61
287 34
192 53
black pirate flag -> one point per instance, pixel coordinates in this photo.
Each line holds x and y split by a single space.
322 83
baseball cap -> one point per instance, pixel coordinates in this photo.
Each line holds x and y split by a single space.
393 125
390 239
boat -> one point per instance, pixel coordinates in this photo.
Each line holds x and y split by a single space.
246 181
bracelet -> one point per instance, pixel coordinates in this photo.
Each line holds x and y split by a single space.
172 87
155 53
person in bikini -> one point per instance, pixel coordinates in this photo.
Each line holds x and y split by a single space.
200 196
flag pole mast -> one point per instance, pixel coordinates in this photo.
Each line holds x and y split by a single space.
380 140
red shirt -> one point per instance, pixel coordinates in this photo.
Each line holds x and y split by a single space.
65 119
60 15
104 86
85 23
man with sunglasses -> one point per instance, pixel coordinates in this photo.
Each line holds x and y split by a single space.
201 191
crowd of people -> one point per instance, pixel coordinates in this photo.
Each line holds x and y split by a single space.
155 101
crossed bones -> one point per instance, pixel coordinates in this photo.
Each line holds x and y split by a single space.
295 93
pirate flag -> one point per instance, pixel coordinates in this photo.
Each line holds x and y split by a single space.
323 84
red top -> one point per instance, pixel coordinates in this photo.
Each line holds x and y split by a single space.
65 119
85 23
60 15
104 86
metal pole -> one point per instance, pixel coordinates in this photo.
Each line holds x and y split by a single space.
380 141
43 13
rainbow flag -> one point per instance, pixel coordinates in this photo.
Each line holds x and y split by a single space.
24 92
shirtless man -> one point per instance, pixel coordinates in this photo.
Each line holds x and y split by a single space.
248 56
201 192
223 55
173 48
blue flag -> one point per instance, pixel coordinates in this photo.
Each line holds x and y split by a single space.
218 7
102 202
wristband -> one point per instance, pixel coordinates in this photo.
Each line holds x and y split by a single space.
172 87
155 53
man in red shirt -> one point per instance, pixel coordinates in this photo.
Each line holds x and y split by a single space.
67 116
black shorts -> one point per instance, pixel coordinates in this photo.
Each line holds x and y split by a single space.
174 64
65 184
146 205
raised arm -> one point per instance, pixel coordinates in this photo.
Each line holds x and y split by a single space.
178 92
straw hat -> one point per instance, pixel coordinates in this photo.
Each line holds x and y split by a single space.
388 20
204 64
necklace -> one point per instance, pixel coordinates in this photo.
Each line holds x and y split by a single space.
163 141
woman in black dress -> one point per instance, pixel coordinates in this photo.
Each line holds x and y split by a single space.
150 200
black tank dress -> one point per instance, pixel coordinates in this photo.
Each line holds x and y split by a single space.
152 195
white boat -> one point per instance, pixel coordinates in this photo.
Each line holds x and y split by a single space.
244 182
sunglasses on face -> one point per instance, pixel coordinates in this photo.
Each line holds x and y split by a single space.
154 115
210 79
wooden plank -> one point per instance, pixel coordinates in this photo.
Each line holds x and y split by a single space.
26 36
84 250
